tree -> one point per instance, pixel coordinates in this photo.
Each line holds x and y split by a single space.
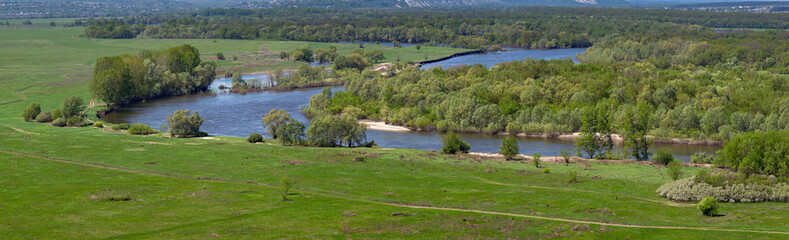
237 79
375 55
73 106
636 125
509 147
284 188
536 159
352 60
595 136
31 112
335 131
283 55
273 120
182 124
453 144
418 47
566 156
713 119
674 170
291 133
220 56
302 54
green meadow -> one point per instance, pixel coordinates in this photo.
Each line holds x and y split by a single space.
96 183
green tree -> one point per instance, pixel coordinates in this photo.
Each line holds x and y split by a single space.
375 55
182 124
708 206
291 133
596 136
566 156
674 170
73 106
352 60
237 79
273 120
284 188
509 147
536 159
335 131
713 119
220 56
283 55
636 125
31 112
453 144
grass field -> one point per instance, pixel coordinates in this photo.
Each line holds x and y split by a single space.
88 183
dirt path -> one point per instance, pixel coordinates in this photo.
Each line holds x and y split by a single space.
399 204
19 130
21 98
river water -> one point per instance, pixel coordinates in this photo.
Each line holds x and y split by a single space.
239 115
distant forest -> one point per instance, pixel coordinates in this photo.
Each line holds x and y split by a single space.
527 27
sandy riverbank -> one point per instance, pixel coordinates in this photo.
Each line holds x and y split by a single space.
559 159
382 126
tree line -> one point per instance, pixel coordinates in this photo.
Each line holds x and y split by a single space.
528 27
151 74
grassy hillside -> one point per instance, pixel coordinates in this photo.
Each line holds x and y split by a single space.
78 183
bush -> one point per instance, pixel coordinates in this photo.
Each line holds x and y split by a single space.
453 144
59 122
57 113
284 188
76 121
182 124
566 156
536 159
220 56
98 124
255 138
546 170
674 170
122 126
708 206
702 158
44 117
572 177
31 112
73 106
690 190
663 157
509 147
141 129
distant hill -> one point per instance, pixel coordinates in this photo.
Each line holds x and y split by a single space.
422 3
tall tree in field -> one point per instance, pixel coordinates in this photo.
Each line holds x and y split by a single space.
635 127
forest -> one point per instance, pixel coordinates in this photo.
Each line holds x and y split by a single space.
698 85
525 27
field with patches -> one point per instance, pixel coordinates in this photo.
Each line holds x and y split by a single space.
89 183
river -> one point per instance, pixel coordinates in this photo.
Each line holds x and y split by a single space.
239 115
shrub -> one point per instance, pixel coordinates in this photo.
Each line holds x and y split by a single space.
31 112
141 129
73 106
566 156
572 177
76 121
182 124
453 144
663 157
674 170
98 124
122 126
509 147
44 117
708 206
57 113
546 170
59 122
689 189
702 158
220 56
536 159
255 138
284 188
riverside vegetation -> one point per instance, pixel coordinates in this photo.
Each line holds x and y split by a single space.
110 185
